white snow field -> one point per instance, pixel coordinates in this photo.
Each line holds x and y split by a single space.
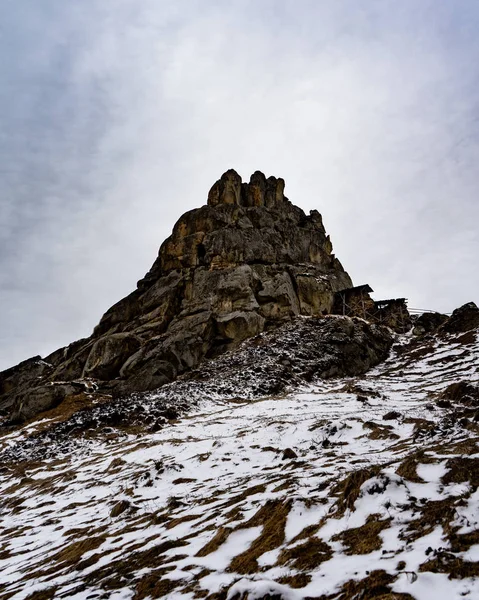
313 494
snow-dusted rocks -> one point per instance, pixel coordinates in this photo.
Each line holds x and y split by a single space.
305 350
463 319
337 489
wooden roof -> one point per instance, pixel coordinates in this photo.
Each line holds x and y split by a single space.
366 289
379 303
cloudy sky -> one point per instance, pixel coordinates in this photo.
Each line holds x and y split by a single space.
116 116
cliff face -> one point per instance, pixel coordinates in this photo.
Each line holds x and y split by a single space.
246 261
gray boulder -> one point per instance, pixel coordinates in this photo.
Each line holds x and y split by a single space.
465 318
38 399
108 355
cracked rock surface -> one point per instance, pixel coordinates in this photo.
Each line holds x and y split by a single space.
247 261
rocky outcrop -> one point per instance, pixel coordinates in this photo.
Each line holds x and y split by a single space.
299 352
296 353
109 353
38 399
466 392
19 379
464 318
428 322
247 261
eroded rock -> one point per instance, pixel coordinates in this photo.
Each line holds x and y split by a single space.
247 261
428 323
108 355
38 399
465 318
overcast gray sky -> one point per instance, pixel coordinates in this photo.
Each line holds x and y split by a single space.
116 116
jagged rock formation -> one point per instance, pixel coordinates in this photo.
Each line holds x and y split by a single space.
428 323
247 261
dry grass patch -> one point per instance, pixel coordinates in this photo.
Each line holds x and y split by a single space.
288 484
69 406
13 504
348 490
300 580
116 465
71 554
454 566
76 532
308 531
469 446
203 457
408 467
272 516
119 573
47 594
420 425
235 514
5 554
306 556
421 352
251 491
183 480
179 520
433 514
462 470
120 507
218 539
460 542
380 432
155 585
364 539
467 338
201 574
192 587
376 585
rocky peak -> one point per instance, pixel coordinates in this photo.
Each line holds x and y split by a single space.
245 223
246 261
258 192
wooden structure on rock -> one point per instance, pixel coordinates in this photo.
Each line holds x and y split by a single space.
354 302
393 313
357 302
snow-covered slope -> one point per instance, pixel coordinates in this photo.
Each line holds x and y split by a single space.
353 488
